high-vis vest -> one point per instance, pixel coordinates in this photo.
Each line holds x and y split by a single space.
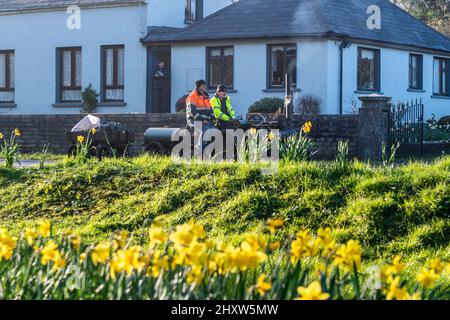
222 109
198 108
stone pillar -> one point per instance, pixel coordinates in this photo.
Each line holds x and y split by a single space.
373 128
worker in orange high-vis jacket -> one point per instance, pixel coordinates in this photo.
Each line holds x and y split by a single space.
198 109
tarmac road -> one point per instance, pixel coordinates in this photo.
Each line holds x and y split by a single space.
26 163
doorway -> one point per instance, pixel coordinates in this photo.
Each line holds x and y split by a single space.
159 82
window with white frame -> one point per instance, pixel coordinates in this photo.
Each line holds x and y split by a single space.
282 62
113 73
220 65
7 76
441 75
415 72
369 69
69 74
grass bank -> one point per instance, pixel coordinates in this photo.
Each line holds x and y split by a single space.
404 210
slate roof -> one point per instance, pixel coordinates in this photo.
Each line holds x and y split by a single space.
12 6
293 18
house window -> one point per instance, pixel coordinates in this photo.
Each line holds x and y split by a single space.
282 61
441 76
220 67
415 71
113 73
193 11
70 74
7 76
368 69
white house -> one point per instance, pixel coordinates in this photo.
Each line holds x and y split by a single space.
334 49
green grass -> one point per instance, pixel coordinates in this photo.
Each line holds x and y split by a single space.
404 210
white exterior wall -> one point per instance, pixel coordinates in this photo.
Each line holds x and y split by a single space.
318 74
35 37
394 79
313 69
250 70
189 64
168 13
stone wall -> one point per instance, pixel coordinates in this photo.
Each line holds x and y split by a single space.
38 130
364 132
328 130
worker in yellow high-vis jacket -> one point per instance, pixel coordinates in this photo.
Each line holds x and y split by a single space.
223 111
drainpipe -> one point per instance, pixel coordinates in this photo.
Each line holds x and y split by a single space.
344 45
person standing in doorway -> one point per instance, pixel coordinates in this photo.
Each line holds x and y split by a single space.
161 80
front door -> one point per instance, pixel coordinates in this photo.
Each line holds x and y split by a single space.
159 80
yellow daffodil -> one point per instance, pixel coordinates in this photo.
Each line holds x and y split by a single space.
210 244
196 275
195 254
101 252
275 224
122 238
394 291
385 273
157 235
44 228
246 257
262 287
75 241
274 246
397 266
437 265
413 297
325 237
185 234
427 278
257 242
80 139
82 257
17 132
158 264
253 131
307 127
93 131
30 235
270 136
50 253
7 245
312 292
303 246
348 256
1 136
58 263
126 261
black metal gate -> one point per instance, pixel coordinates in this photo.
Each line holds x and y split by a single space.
406 128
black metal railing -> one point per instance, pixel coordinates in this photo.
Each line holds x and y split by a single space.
406 128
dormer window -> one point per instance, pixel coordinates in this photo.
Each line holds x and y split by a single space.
193 11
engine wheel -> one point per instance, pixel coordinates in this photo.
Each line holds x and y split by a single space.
155 148
103 152
72 152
